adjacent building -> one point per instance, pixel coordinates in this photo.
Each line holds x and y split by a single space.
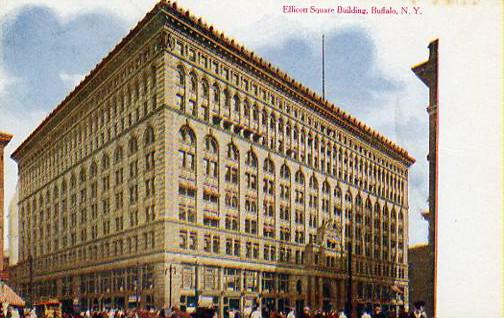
186 170
423 258
13 236
4 141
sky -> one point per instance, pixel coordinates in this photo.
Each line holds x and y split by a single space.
47 46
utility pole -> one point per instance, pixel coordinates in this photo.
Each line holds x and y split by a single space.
196 296
323 66
137 296
349 306
30 268
171 278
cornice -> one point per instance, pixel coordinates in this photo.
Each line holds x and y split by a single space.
5 138
244 57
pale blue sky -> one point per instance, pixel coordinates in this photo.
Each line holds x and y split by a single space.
43 56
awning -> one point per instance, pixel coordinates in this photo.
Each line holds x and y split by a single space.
7 295
397 289
210 216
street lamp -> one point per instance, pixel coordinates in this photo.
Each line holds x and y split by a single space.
171 282
137 283
349 305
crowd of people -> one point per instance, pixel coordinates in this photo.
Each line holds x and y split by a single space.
212 312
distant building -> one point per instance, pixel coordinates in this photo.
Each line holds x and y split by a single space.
4 140
13 219
185 170
422 261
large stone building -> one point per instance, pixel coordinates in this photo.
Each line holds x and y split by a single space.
186 170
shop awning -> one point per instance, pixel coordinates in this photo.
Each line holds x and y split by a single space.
397 289
7 295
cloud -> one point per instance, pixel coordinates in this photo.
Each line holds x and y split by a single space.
71 80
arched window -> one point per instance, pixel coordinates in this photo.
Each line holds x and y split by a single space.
132 145
187 149
348 197
232 152
295 134
299 177
251 159
63 187
313 183
227 99
105 162
73 181
255 113
149 136
368 204
216 93
358 201
118 154
285 171
55 192
180 76
326 188
193 82
246 109
236 103
93 169
337 192
211 145
187 136
204 88
82 175
269 166
272 121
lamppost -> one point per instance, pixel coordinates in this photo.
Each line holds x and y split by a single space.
171 283
30 268
137 300
349 305
196 284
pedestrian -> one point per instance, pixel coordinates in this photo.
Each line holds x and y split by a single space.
342 314
419 311
377 313
256 313
365 314
292 313
237 314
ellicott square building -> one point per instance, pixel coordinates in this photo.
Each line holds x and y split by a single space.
185 170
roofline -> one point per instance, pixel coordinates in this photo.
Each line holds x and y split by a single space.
5 138
321 105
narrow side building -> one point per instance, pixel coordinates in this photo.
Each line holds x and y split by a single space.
423 258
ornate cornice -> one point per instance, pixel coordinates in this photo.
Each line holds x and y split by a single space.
243 57
5 138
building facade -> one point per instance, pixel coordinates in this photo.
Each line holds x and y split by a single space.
13 236
4 141
425 278
186 170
